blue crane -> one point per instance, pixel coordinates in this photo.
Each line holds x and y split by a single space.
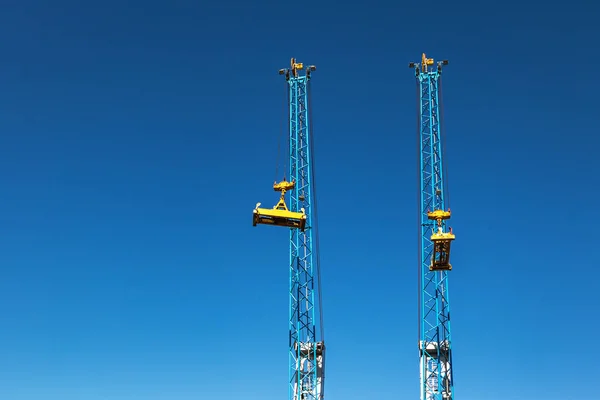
306 342
435 350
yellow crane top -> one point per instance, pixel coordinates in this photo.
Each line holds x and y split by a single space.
425 62
296 66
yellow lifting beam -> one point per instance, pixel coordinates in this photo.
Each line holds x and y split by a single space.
440 259
280 215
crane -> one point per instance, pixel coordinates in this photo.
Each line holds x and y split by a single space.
435 350
306 342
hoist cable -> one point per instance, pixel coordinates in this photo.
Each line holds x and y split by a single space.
442 131
315 225
443 138
287 130
420 226
281 161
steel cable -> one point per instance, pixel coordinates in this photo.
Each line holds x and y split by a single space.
315 223
419 214
442 130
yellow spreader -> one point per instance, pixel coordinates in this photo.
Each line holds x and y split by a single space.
440 259
280 215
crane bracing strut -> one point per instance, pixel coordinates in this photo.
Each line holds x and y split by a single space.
306 342
435 350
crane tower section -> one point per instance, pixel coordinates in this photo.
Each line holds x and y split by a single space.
306 341
435 350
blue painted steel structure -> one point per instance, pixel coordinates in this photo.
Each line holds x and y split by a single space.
306 352
435 350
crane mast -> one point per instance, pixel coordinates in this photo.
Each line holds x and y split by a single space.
306 343
435 350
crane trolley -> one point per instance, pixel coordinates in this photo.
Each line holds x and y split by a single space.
280 215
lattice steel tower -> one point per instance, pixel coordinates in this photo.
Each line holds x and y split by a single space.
435 350
306 335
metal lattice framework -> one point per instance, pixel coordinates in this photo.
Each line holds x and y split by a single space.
436 375
306 354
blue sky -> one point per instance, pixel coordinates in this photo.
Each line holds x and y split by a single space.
136 139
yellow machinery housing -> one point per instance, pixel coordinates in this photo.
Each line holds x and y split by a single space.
280 215
440 259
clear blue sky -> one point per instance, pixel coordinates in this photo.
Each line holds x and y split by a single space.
136 137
